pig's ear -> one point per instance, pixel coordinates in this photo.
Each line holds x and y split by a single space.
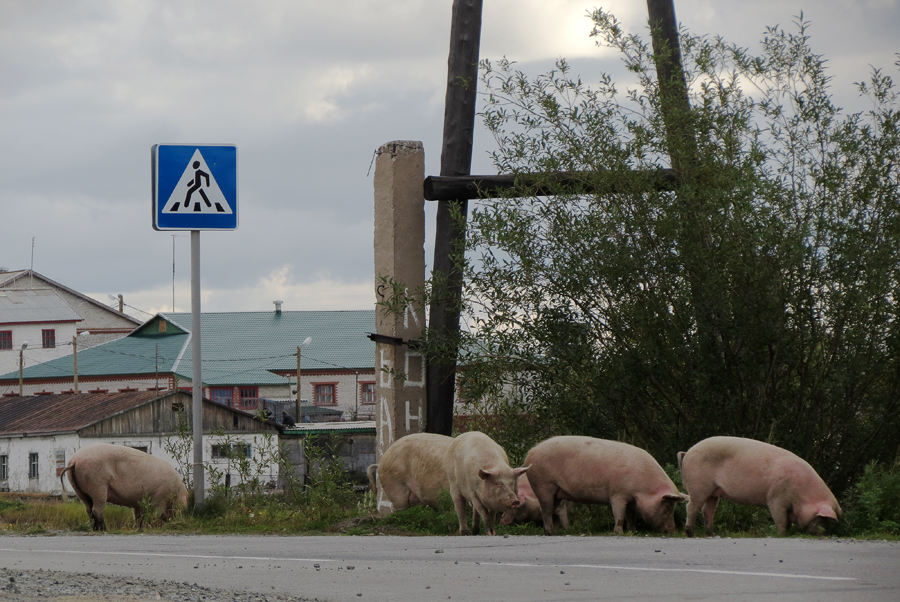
518 472
676 497
485 474
827 512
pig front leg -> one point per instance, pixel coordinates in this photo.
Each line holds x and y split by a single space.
459 502
620 513
780 516
476 519
479 510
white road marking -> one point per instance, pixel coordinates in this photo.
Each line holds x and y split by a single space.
712 571
162 555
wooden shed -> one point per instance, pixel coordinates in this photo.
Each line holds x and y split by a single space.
39 433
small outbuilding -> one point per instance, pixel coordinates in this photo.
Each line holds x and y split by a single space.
39 433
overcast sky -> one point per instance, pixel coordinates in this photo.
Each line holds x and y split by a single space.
307 90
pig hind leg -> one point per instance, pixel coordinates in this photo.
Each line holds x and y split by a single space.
546 497
694 506
709 514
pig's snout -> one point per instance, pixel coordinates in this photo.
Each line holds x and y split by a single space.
515 504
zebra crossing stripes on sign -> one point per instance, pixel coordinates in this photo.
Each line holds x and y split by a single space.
194 187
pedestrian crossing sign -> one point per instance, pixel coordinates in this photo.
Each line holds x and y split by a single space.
194 186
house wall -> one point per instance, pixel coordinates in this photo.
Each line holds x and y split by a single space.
35 353
54 451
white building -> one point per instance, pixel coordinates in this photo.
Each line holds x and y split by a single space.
47 315
39 434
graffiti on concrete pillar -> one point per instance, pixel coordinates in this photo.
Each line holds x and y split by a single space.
414 370
417 417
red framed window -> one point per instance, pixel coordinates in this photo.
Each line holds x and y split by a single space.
367 392
5 339
324 394
222 395
249 397
48 338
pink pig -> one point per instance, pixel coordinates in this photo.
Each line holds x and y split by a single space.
594 471
756 473
530 509
479 472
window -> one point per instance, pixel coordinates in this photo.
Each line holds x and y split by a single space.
221 395
5 339
48 338
249 397
33 466
324 394
367 392
234 450
4 467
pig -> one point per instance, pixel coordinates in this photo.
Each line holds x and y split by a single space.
480 473
596 471
102 473
412 471
747 471
530 509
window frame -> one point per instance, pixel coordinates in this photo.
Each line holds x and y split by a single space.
220 451
34 465
4 467
363 393
48 338
333 401
6 338
248 402
215 398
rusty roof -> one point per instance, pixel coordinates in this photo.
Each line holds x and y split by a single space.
36 414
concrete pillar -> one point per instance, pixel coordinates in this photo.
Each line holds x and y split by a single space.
399 280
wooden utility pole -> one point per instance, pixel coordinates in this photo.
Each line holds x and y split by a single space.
450 233
674 102
455 185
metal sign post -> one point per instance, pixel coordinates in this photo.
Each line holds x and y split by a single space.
195 188
197 375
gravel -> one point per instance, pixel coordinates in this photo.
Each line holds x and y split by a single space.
31 586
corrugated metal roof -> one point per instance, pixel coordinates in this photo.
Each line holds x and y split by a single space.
319 428
36 305
36 414
239 348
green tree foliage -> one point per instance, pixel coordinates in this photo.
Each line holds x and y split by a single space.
756 299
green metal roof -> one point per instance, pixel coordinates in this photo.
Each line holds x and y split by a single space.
239 348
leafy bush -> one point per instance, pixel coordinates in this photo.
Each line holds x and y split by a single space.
874 503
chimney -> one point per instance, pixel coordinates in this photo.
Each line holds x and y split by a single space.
278 306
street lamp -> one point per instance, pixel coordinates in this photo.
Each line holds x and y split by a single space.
121 301
21 368
305 342
75 358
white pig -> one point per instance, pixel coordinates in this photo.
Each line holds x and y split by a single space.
595 471
412 470
756 473
102 473
479 472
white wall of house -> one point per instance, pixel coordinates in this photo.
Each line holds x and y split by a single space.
35 353
52 452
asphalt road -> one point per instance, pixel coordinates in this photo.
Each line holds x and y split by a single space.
520 569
